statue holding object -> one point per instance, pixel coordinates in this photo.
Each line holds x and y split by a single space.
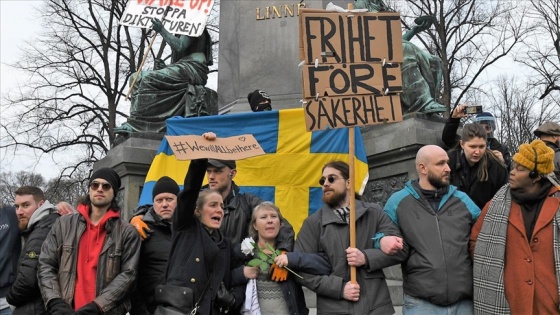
177 89
421 71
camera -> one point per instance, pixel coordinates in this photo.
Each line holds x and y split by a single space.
473 109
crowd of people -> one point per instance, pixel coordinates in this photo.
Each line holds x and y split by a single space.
476 233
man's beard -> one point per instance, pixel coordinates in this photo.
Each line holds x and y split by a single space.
437 182
100 204
335 199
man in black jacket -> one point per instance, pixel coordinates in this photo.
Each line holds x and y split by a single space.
36 216
10 248
154 252
549 133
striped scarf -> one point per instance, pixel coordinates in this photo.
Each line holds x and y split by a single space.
489 253
251 305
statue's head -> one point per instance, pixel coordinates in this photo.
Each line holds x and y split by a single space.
371 5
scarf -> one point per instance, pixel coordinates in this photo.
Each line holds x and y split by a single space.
489 253
251 305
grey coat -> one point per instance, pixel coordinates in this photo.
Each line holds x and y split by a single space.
326 232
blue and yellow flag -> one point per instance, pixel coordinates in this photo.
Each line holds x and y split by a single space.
287 175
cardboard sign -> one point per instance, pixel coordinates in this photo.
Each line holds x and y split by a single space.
185 17
354 110
352 73
232 148
350 79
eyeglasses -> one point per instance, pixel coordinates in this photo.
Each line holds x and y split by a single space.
330 178
104 186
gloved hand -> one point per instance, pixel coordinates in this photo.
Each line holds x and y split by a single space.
224 299
279 273
89 309
140 226
59 307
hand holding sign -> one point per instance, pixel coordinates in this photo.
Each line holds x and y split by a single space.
157 25
209 146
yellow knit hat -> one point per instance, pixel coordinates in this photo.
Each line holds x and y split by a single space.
526 157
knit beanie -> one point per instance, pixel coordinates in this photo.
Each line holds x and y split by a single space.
255 98
165 185
109 175
544 157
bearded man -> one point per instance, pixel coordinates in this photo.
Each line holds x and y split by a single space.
327 231
436 221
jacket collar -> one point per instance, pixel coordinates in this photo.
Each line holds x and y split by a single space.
329 217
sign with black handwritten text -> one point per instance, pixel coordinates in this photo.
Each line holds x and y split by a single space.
185 17
352 68
232 148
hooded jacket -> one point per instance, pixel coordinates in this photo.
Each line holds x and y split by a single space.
438 268
24 293
118 263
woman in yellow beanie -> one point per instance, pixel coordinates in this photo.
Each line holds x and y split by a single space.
474 169
515 243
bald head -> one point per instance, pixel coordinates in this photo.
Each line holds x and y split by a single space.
432 168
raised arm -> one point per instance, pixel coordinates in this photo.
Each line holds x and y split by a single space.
183 217
178 44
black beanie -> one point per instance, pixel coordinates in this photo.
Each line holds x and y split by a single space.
165 185
255 98
109 175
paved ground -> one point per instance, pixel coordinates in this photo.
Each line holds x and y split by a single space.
398 311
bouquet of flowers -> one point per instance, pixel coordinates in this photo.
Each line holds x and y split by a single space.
262 259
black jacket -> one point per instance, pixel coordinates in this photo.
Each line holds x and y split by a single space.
10 248
465 178
154 254
25 294
451 139
237 217
198 260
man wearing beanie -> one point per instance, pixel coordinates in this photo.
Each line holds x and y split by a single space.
549 133
89 260
516 241
259 101
155 249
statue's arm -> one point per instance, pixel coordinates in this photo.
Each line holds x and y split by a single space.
178 44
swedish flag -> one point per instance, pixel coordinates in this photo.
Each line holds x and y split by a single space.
287 174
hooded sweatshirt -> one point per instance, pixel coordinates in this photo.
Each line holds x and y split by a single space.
90 246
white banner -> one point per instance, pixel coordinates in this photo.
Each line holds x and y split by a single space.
185 17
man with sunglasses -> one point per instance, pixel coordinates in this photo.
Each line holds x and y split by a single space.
327 231
36 216
89 259
435 219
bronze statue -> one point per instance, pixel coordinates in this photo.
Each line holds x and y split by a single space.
177 89
421 71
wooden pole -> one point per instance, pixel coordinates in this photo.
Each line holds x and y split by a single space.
141 65
351 154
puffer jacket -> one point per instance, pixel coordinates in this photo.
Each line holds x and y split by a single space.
10 248
438 268
118 263
25 294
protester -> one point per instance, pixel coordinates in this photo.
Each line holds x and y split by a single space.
155 249
259 101
515 243
10 248
435 219
474 169
327 231
549 133
200 261
487 120
264 295
89 259
36 216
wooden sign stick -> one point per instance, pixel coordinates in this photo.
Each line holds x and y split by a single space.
351 154
141 65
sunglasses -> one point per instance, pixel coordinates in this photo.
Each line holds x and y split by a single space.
104 186
330 178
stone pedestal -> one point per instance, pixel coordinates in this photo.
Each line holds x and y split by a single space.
131 159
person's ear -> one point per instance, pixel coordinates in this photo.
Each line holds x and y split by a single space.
232 173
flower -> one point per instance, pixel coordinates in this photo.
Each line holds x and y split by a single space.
247 246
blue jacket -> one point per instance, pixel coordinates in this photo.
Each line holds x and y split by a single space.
10 248
438 268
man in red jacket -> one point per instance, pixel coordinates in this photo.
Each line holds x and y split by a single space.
516 241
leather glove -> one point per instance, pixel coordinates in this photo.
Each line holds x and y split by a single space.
224 299
59 307
140 226
279 273
89 309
